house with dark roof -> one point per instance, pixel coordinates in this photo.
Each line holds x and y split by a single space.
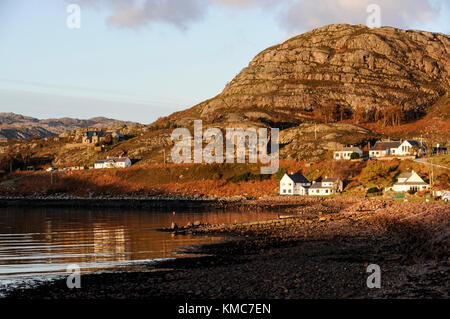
91 137
326 187
438 150
397 148
294 184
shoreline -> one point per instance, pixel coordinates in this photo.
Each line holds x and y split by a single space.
162 202
324 256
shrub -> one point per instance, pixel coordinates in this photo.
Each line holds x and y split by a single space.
279 175
248 176
373 190
354 155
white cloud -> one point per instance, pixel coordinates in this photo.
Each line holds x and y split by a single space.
137 13
293 15
305 15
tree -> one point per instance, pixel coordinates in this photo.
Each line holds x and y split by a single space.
359 115
354 155
393 116
378 175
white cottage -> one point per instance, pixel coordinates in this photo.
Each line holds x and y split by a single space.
294 184
327 187
346 153
410 181
113 162
396 148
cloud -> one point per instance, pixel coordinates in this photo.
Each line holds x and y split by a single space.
292 15
138 13
305 15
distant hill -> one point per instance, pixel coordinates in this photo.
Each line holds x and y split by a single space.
16 126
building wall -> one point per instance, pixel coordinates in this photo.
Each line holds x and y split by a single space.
346 155
377 153
320 191
405 188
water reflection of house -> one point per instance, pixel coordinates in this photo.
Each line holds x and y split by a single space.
108 241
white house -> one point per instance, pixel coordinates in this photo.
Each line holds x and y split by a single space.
327 187
346 153
396 148
113 162
410 181
294 184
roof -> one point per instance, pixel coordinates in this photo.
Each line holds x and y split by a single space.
319 185
298 178
381 146
411 183
117 159
414 143
347 149
330 180
405 175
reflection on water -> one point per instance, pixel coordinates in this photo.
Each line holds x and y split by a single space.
37 241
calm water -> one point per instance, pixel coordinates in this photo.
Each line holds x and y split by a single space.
38 244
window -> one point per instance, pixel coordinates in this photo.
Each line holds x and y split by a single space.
326 191
290 191
284 191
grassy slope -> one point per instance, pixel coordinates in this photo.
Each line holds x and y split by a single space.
224 180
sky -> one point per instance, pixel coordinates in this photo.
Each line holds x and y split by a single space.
138 60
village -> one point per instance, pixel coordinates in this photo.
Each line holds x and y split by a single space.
296 184
406 182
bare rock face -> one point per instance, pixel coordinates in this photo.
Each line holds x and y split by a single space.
353 66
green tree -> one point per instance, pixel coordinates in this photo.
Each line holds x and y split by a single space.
379 175
354 155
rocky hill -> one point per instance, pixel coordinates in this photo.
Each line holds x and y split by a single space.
16 126
352 66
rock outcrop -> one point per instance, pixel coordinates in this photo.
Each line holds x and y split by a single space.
352 66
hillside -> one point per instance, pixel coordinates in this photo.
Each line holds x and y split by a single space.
357 68
16 126
334 86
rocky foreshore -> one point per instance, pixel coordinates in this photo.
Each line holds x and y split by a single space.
170 201
117 201
325 256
